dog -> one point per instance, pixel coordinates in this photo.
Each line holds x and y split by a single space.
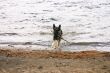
57 36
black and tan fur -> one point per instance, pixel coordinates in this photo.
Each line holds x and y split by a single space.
57 36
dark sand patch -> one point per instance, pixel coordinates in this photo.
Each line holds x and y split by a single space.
52 54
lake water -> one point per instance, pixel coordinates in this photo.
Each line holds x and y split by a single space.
28 23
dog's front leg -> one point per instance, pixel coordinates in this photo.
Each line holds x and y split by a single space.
55 44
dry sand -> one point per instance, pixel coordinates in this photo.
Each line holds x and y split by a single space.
22 61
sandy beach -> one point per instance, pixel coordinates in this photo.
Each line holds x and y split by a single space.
37 61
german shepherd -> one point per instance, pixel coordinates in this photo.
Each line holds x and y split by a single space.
57 36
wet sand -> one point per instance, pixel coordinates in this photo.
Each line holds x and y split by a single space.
36 61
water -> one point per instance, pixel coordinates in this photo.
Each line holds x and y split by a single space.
28 23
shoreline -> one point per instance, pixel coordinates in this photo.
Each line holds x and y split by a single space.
51 53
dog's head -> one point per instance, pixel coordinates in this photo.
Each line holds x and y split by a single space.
57 32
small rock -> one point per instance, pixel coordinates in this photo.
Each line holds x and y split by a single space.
40 67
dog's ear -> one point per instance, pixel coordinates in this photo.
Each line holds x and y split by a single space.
53 26
59 27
